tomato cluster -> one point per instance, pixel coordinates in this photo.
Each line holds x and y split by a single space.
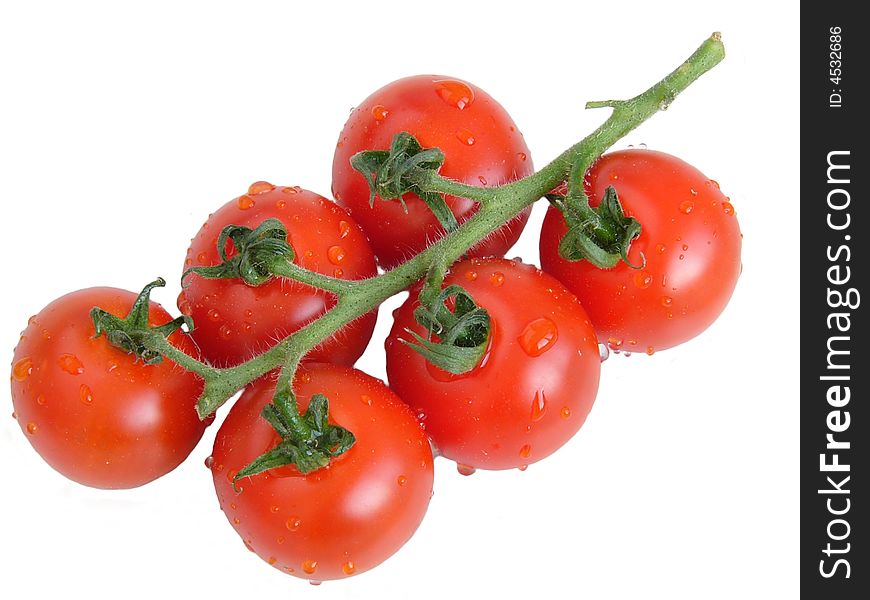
106 411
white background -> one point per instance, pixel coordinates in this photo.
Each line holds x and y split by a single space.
122 125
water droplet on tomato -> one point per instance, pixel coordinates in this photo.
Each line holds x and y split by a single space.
522 156
314 581
293 523
237 521
348 568
401 480
685 247
280 203
71 364
682 256
225 332
85 395
202 257
538 336
614 343
667 301
214 315
336 254
40 400
525 451
481 179
310 566
245 202
337 272
31 428
209 461
686 206
539 406
603 352
464 469
272 560
614 177
693 191
728 208
455 93
642 279
260 187
565 413
465 136
379 112
305 377
366 399
497 279
523 467
343 229
650 350
471 275
713 182
22 369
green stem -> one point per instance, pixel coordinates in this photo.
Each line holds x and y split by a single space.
285 268
498 206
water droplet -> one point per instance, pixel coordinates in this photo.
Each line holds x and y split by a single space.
280 539
260 187
272 560
642 279
525 451
209 461
522 156
685 247
497 279
379 112
650 350
614 343
202 257
603 352
22 369
31 428
336 254
305 377
693 191
40 400
682 256
337 272
667 301
293 523
565 413
281 203
71 364
237 521
314 581
245 202
713 182
614 177
309 566
366 399
225 332
538 336
348 568
686 206
539 406
401 480
455 93
465 469
85 395
471 275
523 467
728 208
465 136
343 229
214 315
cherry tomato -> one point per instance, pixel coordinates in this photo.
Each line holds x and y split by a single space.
234 321
92 411
534 386
481 144
690 239
342 519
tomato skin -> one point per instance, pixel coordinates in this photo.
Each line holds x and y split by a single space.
347 517
533 388
234 321
91 410
481 144
691 241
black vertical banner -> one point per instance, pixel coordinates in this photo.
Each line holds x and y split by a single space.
834 369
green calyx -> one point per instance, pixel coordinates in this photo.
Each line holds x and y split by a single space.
463 333
308 441
259 254
394 173
601 235
133 334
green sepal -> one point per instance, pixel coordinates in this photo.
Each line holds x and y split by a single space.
463 333
309 445
257 251
601 235
132 332
394 173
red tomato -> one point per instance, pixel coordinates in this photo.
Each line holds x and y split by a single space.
691 241
336 521
92 411
481 144
534 386
233 321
